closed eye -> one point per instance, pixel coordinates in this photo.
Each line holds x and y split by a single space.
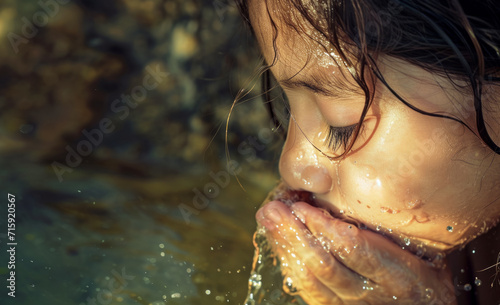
339 136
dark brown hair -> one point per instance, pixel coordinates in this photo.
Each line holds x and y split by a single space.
456 39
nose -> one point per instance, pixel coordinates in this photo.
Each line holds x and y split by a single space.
301 165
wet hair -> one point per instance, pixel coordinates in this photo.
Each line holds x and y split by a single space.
456 39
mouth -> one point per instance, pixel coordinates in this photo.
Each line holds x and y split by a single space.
283 193
431 250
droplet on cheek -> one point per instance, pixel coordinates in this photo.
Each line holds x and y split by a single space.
408 220
370 172
389 210
449 229
413 204
421 218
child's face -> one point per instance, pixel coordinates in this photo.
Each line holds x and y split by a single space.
425 177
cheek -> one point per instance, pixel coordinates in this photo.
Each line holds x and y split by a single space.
418 176
396 172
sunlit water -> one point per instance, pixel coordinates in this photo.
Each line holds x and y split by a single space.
266 284
100 238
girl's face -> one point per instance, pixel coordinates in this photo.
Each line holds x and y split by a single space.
408 174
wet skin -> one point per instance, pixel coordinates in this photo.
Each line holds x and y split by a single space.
419 180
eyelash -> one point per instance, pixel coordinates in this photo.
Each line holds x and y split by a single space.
339 136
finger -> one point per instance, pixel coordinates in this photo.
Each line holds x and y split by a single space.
308 287
298 278
365 252
303 249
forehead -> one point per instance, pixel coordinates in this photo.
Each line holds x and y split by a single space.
292 46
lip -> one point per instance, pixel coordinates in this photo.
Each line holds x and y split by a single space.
285 194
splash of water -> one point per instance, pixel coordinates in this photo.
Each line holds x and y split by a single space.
266 285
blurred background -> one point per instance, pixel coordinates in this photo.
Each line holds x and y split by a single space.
112 142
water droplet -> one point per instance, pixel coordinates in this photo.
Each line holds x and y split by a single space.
429 293
341 211
473 251
175 295
449 228
467 287
389 210
413 204
462 271
207 292
255 280
378 228
477 282
423 217
407 241
394 297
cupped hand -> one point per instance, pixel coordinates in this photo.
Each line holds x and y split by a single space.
330 261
